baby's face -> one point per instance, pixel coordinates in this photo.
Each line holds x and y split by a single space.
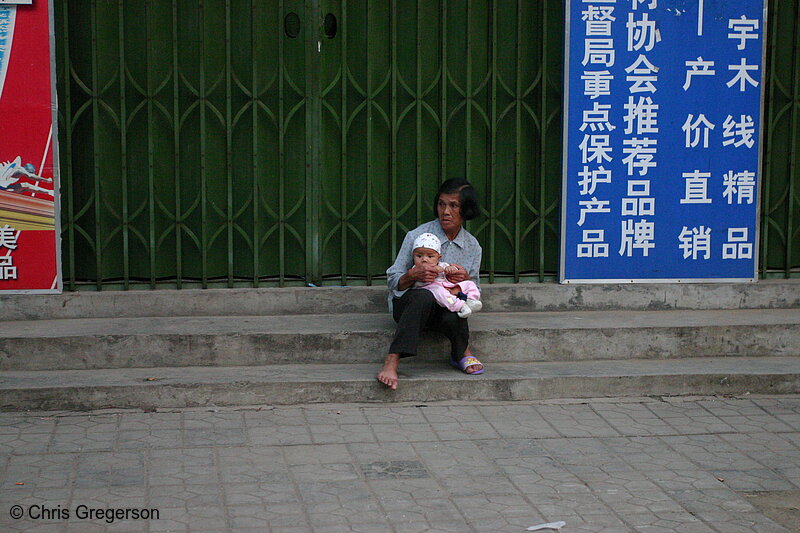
426 256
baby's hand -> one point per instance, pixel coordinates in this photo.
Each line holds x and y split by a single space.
440 268
451 269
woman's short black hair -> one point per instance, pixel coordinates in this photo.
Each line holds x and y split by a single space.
467 197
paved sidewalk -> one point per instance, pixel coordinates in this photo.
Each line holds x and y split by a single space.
685 465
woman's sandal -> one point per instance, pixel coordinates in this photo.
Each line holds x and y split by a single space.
467 362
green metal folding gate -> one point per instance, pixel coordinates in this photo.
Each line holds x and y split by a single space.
278 142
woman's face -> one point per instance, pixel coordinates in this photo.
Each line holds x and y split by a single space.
449 209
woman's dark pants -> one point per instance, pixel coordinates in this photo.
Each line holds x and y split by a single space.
417 310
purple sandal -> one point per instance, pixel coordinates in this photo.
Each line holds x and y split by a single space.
467 362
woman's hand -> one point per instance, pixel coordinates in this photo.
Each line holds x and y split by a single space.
424 273
458 276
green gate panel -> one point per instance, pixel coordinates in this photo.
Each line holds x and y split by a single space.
282 142
780 194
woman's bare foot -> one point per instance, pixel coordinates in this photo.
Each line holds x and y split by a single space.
472 368
388 374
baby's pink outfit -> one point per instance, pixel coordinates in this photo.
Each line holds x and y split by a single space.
439 287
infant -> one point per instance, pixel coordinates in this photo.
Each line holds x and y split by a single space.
463 297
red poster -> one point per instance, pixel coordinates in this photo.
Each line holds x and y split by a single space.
29 225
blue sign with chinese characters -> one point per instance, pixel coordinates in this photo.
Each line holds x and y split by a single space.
661 140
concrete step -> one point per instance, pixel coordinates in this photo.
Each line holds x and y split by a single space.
523 297
364 338
151 388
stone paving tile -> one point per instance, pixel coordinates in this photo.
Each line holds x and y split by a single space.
402 495
260 494
76 439
439 512
448 431
552 504
274 516
633 419
589 523
404 432
208 518
187 496
518 421
11 423
455 459
251 464
503 512
278 435
213 421
469 486
108 496
569 448
452 414
35 471
501 448
272 417
121 469
150 438
667 522
578 420
362 511
335 415
396 415
369 453
180 466
214 437
150 421
377 526
317 454
626 502
21 442
688 418
343 433
394 470
755 480
741 523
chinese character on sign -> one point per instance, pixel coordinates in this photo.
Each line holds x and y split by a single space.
590 179
652 5
593 206
637 235
595 148
743 29
698 68
638 202
599 52
598 20
742 185
745 129
696 191
694 129
597 118
8 237
593 244
695 241
643 75
742 77
640 154
642 33
7 269
644 113
596 83
737 246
